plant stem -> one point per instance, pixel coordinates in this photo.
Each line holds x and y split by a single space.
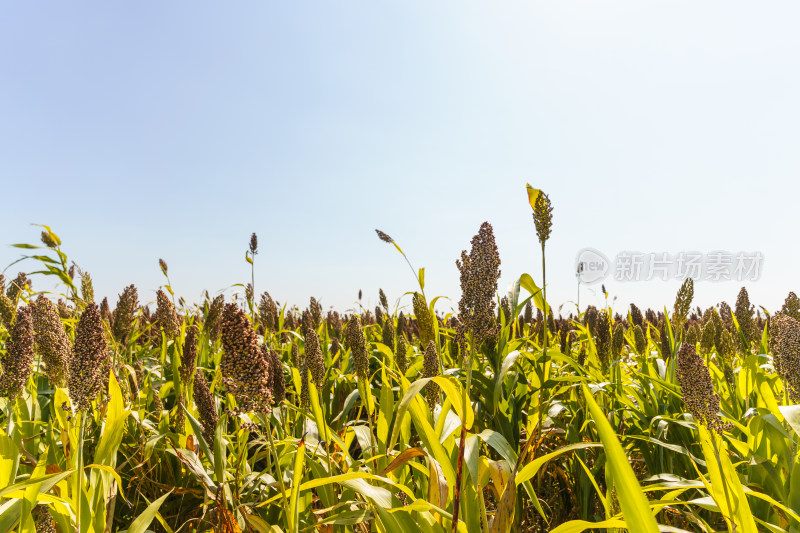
460 464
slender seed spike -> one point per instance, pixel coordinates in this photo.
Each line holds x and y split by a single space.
205 406
543 217
431 369
639 339
617 340
744 316
314 359
278 379
358 347
189 358
401 356
384 237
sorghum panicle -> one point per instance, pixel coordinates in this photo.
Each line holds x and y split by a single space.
401 357
88 374
189 357
384 237
543 217
791 306
52 341
697 388
479 272
205 406
358 347
431 369
785 347
639 339
278 379
125 313
245 368
18 361
166 316
314 359
744 316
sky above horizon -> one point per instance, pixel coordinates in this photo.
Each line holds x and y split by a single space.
175 130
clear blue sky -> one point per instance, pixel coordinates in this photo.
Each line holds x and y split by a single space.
174 129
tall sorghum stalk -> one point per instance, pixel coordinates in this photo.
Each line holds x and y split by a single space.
480 271
386 238
543 220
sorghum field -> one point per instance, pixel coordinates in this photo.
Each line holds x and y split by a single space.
245 414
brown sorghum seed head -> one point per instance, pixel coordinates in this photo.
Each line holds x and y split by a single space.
360 294
726 315
316 312
305 394
213 320
697 388
245 368
528 312
17 285
423 318
18 360
205 406
7 307
431 369
278 379
269 312
505 307
636 316
479 273
791 306
744 316
105 311
384 237
401 357
189 358
44 521
253 244
785 347
543 217
387 334
125 313
639 339
314 359
617 340
48 240
295 357
88 374
65 311
590 319
383 300
52 341
603 338
166 316
358 347
163 265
